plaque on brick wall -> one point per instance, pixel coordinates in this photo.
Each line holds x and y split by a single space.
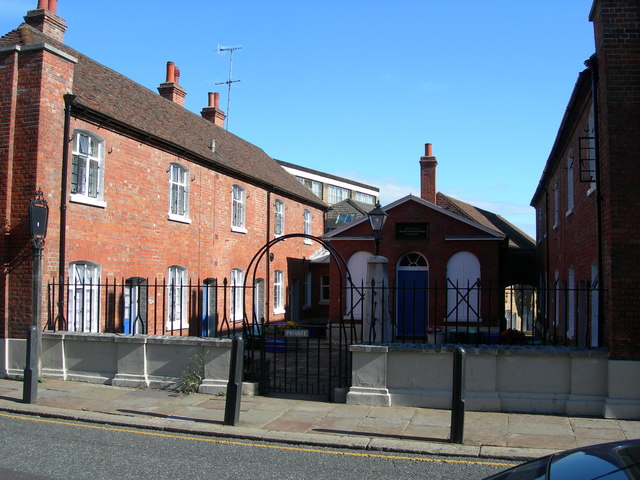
412 231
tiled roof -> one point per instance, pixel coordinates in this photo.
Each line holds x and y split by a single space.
517 238
106 93
348 206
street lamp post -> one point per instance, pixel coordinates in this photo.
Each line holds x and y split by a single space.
38 220
377 218
377 321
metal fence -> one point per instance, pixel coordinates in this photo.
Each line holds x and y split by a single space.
135 305
476 314
473 313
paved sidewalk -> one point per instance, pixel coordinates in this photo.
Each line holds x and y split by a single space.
398 429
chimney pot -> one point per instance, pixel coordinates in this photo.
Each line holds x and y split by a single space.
171 72
428 150
212 112
53 6
170 89
43 4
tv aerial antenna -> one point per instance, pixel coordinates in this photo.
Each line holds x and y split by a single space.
228 83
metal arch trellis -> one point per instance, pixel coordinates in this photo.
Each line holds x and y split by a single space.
255 261
254 329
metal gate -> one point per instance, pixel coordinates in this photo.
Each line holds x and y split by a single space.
308 359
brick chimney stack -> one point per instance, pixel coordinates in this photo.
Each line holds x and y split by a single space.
213 112
428 166
45 19
170 89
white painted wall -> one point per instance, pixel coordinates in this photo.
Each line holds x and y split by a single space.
124 360
508 379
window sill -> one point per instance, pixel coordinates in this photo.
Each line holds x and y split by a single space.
94 202
307 242
178 218
465 321
176 326
323 302
591 190
279 311
239 229
569 212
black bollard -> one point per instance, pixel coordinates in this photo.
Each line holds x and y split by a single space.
30 385
234 386
457 396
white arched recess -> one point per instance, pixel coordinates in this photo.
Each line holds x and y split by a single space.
357 265
463 288
412 298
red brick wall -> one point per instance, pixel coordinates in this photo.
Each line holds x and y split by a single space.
437 251
572 240
32 119
132 235
617 36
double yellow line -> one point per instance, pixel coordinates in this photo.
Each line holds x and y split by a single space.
257 445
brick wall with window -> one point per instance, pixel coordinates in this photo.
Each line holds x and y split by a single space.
137 206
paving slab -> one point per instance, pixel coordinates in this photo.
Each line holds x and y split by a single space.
311 422
535 440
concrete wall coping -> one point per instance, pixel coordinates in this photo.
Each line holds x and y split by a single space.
148 339
505 350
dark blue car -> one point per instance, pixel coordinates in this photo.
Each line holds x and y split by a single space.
606 461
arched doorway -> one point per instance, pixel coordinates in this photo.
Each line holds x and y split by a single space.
412 299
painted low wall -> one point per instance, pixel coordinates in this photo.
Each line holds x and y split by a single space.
500 379
125 360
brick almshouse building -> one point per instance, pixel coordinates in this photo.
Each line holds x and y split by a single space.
146 192
588 198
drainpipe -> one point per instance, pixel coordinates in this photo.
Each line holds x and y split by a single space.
592 65
69 98
267 283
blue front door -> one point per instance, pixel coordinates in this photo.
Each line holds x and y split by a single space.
413 302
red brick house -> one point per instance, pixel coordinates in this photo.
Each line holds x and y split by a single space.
448 264
157 205
587 200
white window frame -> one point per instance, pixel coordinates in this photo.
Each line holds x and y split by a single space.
306 290
325 292
278 292
179 193
365 198
87 169
540 232
238 209
84 297
571 305
569 183
236 292
307 219
278 223
316 188
595 308
177 298
337 194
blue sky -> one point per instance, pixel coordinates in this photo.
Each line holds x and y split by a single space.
357 87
